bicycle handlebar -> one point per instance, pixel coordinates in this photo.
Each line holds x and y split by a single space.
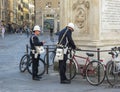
114 51
77 49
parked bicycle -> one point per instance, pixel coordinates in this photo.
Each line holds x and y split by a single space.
113 67
26 63
92 70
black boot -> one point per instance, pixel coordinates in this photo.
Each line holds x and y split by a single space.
36 78
65 82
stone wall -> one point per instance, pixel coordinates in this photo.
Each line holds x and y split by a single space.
97 23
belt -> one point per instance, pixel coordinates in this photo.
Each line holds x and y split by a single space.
33 51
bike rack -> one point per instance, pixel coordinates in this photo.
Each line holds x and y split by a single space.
97 51
47 59
47 47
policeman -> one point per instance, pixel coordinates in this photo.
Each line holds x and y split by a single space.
66 42
34 41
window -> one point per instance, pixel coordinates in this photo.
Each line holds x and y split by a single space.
49 4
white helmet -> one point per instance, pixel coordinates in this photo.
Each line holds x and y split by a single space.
71 25
37 27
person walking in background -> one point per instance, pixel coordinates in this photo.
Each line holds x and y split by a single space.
3 31
20 29
27 31
51 34
67 42
34 41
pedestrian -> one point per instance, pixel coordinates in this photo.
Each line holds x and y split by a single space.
27 31
51 34
20 30
67 42
34 41
3 31
51 31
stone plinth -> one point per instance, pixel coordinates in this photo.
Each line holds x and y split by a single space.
97 22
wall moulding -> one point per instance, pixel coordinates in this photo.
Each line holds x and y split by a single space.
81 11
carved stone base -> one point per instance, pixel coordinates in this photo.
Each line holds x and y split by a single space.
97 23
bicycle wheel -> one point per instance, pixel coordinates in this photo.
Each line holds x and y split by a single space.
95 73
41 67
23 62
111 77
70 69
51 57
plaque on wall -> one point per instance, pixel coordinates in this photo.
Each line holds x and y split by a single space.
110 15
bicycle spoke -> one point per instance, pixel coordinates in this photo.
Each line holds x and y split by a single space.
95 73
23 63
111 76
41 67
50 57
70 73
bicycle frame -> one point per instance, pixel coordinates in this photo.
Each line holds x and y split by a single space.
87 60
115 61
89 68
113 67
115 70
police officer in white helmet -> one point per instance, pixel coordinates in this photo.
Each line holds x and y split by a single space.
34 41
66 42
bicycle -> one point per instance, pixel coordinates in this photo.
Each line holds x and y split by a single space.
24 60
92 70
113 67
26 63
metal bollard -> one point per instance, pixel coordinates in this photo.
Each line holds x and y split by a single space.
27 52
70 64
47 58
98 55
27 48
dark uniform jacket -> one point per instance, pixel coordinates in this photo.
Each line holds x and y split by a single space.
67 40
34 41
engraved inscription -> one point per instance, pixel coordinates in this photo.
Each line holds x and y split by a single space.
110 15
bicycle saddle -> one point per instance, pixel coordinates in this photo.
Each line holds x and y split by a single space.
90 54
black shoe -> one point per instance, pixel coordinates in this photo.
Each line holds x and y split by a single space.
39 77
36 78
65 82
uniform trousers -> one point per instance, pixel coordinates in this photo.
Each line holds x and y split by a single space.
62 68
35 64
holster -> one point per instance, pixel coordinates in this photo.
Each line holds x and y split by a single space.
34 53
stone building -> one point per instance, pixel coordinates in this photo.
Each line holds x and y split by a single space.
97 23
16 11
47 13
30 12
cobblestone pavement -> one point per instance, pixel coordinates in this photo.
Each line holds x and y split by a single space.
12 80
